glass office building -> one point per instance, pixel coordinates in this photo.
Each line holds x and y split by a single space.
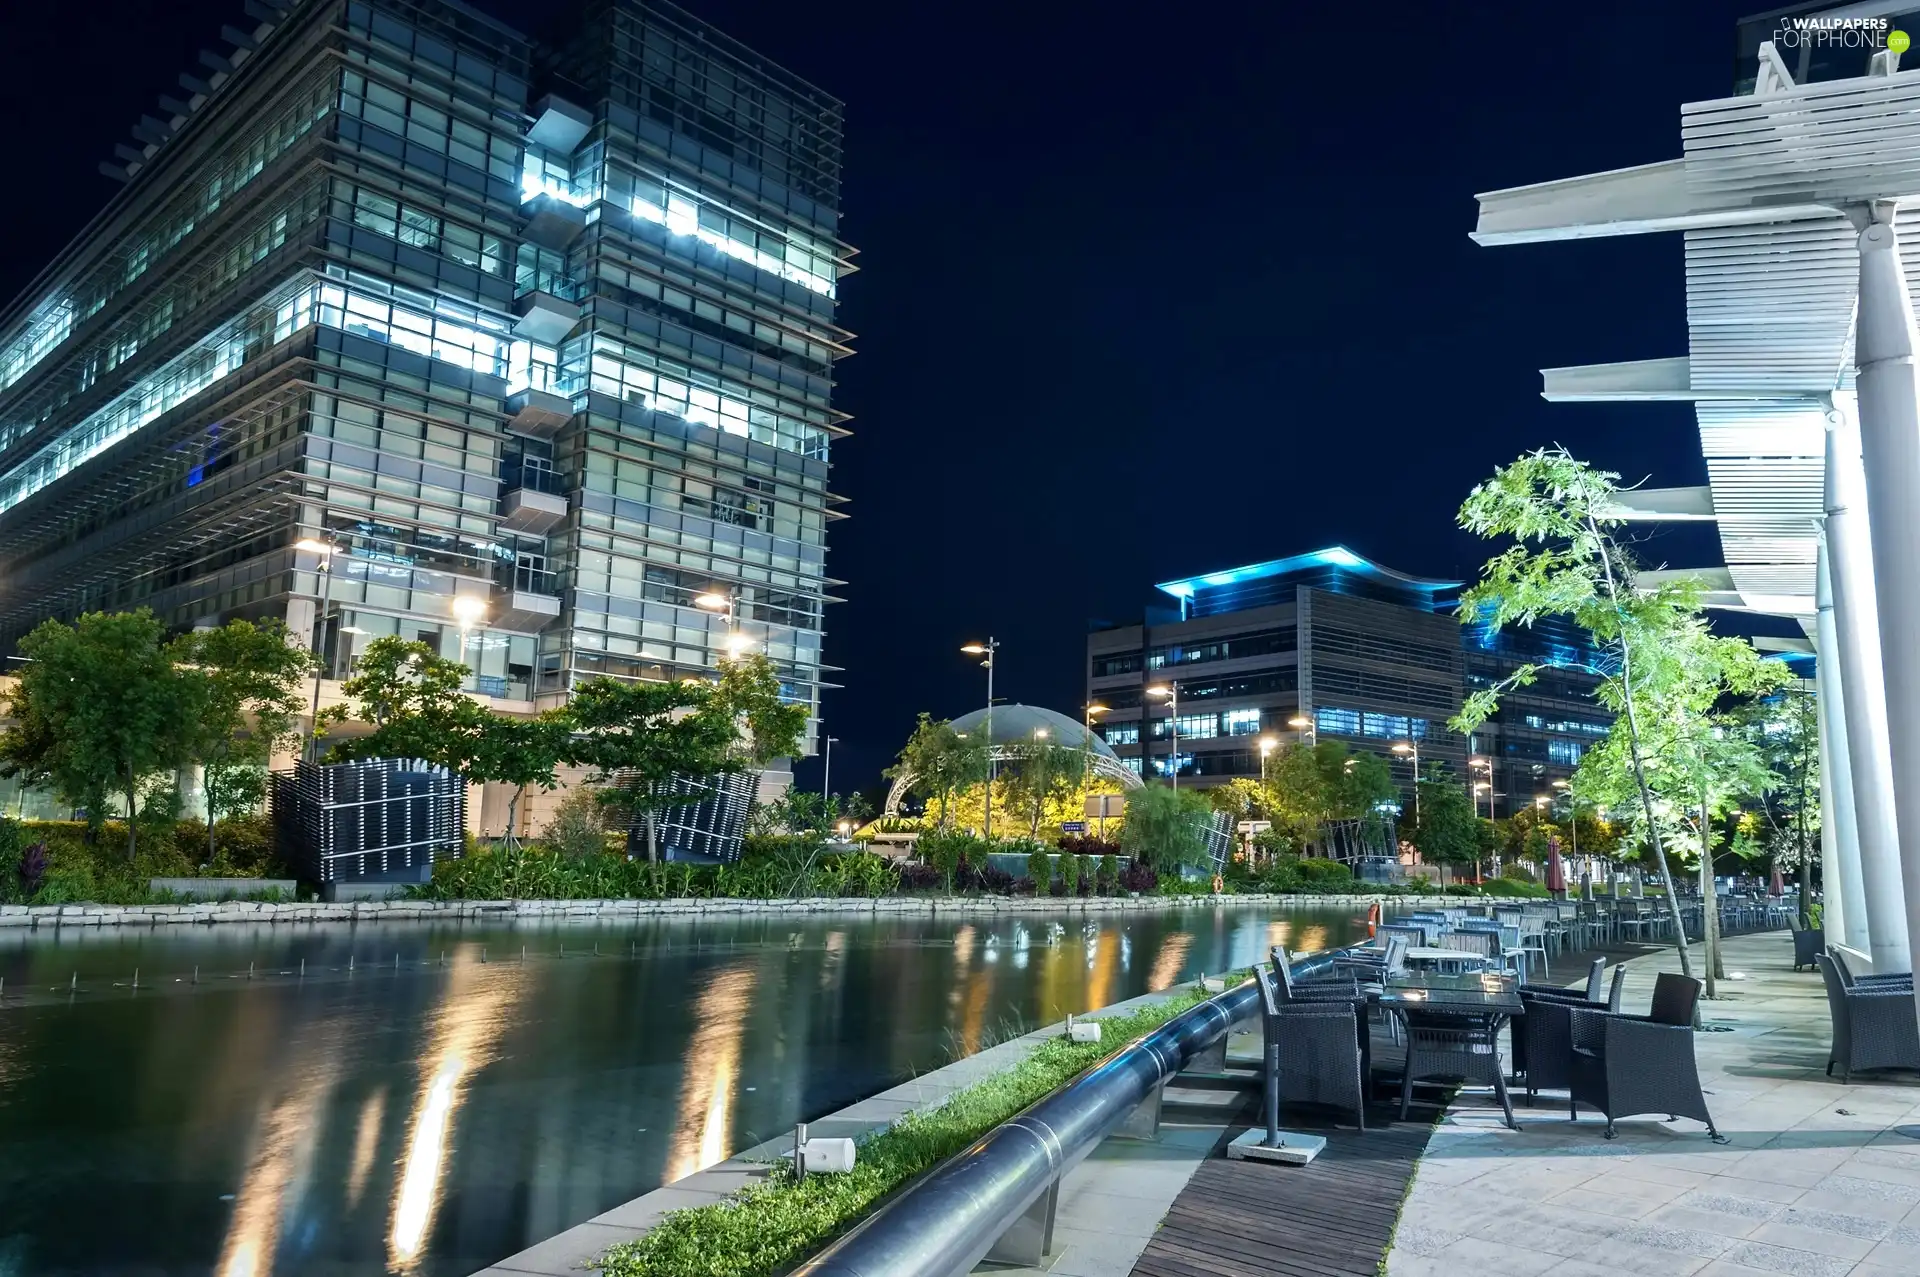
1329 645
399 306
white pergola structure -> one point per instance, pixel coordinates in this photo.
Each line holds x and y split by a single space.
1799 206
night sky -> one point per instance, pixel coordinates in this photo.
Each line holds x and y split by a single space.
1145 292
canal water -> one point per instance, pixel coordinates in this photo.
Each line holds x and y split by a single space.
427 1099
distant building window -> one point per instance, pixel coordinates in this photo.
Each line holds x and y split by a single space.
1122 663
1121 733
1340 722
1132 765
1534 720
1261 643
1240 722
1565 752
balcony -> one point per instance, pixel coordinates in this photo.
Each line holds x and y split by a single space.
529 601
544 317
531 500
553 220
559 125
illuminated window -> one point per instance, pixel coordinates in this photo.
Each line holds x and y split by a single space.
1240 722
1565 752
1340 722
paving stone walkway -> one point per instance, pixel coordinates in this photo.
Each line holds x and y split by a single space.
1815 1182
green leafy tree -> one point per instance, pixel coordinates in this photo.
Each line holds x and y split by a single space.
1566 560
1043 772
578 829
1446 832
1165 827
941 761
1308 785
1070 867
1785 728
249 701
99 709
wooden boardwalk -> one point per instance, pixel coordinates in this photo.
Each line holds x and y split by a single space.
1332 1218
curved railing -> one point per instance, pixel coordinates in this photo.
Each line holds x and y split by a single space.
945 1224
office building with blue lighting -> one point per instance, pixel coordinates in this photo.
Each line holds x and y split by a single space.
396 305
1333 646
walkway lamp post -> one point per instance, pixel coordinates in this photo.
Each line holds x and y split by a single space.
826 773
1170 692
985 651
729 604
470 610
1267 745
325 550
1412 748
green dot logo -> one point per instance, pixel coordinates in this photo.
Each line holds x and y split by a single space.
1898 41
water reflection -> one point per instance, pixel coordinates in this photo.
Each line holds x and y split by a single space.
704 1132
468 1022
434 1120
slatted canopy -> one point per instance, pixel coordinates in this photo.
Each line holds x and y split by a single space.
1772 272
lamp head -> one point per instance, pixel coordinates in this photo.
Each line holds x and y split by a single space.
1300 720
1160 689
312 546
713 601
1403 748
974 649
469 610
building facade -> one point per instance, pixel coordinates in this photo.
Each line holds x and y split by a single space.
1333 646
398 306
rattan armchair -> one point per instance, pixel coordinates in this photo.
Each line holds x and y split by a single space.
1312 1051
1624 1065
1874 1026
1454 1048
1808 943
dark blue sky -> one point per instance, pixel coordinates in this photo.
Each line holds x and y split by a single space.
1145 291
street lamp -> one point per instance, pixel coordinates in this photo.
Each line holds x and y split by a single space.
1304 725
985 651
326 550
1482 765
470 610
1410 747
715 601
1170 690
1573 817
826 773
1267 744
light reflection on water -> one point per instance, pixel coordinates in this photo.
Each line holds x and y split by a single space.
433 1120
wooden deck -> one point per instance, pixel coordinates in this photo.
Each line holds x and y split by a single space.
1332 1218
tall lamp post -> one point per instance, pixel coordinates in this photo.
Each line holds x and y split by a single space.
1267 744
985 651
325 550
826 773
1573 813
1481 769
1086 742
1170 692
470 610
1412 748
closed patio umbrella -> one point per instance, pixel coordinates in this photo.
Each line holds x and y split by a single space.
1779 884
1556 870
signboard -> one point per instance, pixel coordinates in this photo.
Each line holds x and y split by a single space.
1103 806
1254 826
1073 826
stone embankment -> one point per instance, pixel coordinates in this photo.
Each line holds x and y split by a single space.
52 916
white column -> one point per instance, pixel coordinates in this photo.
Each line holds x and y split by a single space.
1845 916
1890 437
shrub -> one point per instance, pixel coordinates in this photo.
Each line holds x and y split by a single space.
995 881
1040 869
32 868
1070 873
1109 876
920 878
1022 887
1166 827
1138 877
1325 874
1513 887
579 825
1087 845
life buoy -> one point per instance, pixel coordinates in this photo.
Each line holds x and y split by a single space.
1373 919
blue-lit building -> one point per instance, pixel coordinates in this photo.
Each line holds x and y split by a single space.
1334 646
544 323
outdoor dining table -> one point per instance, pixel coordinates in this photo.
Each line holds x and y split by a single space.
1473 996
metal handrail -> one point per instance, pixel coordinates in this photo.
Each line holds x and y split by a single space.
946 1223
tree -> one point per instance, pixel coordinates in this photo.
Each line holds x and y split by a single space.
1785 728
578 829
249 701
99 709
1166 827
941 760
413 697
642 737
1694 757
1445 831
1566 561
1308 785
1042 772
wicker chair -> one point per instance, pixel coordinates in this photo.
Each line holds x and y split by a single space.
1334 986
1454 1048
1874 1027
1629 1064
1312 1053
1543 1042
1595 987
1891 979
1478 949
1808 944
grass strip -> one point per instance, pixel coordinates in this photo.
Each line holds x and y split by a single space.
766 1228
